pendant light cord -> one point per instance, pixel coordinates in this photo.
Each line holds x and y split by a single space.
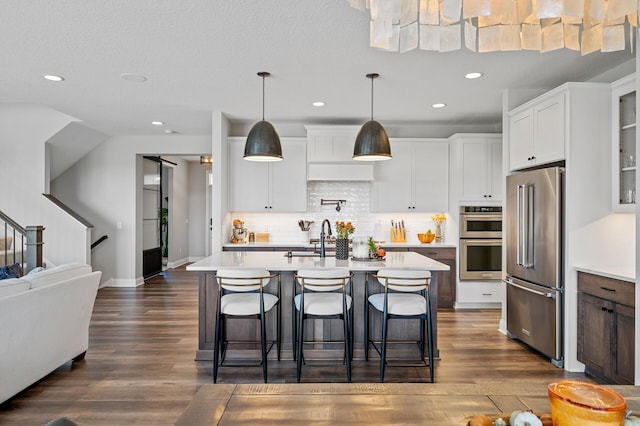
372 76
263 98
372 98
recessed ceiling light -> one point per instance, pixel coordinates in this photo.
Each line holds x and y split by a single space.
157 123
318 104
168 131
473 75
52 77
439 105
136 78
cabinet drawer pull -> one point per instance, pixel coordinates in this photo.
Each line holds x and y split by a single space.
608 289
603 308
487 294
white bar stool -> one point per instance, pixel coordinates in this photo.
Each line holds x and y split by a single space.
406 295
241 295
324 294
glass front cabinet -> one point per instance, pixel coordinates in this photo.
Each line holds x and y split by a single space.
624 145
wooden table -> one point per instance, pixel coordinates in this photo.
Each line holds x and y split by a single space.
368 404
286 266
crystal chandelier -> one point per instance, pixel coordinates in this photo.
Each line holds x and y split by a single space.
500 25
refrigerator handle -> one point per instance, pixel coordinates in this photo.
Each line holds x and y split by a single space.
529 237
549 295
518 225
525 226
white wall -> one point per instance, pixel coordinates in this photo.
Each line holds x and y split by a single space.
587 196
107 183
24 130
219 151
198 220
178 212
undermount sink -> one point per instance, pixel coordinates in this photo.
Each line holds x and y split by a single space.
306 254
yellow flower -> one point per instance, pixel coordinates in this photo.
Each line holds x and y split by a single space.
439 217
344 229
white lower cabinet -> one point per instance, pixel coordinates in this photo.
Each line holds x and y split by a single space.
479 294
416 179
264 187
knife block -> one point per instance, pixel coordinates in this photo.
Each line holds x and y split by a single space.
398 236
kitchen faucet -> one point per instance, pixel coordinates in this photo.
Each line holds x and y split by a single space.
322 236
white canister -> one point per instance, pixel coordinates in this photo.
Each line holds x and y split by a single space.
360 248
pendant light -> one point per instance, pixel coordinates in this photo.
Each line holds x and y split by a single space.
263 142
372 142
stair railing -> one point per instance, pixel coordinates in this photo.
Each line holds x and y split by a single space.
22 245
99 241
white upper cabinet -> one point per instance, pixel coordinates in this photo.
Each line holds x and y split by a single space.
479 166
275 186
415 179
329 144
624 155
537 131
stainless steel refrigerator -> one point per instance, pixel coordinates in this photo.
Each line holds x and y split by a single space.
535 285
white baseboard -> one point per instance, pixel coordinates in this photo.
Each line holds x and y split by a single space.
476 305
502 327
122 282
177 263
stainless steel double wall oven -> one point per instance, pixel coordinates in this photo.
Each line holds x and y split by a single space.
480 242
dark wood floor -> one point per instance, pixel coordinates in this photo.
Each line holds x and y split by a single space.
140 366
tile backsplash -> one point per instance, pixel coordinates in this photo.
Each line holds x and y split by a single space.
283 227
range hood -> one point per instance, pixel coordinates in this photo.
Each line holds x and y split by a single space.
340 171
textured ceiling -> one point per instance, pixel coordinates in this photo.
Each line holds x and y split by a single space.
200 56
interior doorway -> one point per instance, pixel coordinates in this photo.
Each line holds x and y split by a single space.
165 216
151 216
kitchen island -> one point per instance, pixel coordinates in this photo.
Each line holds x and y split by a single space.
278 262
442 251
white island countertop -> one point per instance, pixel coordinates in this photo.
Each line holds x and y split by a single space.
278 261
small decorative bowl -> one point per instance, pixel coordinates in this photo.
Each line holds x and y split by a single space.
426 238
575 402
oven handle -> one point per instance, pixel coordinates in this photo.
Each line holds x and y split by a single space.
550 295
482 242
482 216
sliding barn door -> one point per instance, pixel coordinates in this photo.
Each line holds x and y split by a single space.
151 217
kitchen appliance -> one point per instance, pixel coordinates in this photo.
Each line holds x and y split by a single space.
240 233
480 222
480 243
534 227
